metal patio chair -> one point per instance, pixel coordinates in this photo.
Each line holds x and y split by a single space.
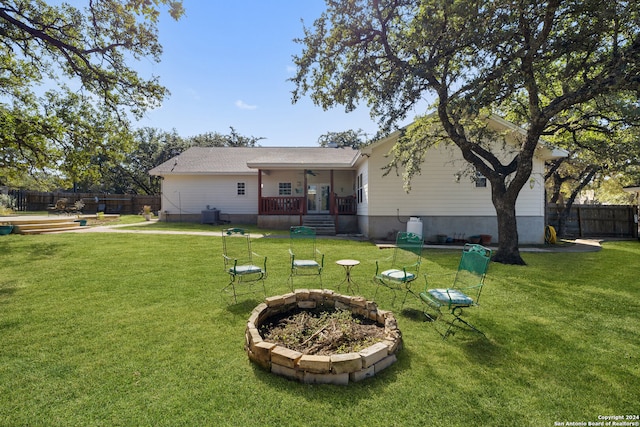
305 258
465 290
399 270
245 268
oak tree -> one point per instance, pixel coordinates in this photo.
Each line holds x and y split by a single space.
53 54
537 59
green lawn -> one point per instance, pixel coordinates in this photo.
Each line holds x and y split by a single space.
131 330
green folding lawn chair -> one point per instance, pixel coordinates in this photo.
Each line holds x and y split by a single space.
245 268
399 270
465 290
305 258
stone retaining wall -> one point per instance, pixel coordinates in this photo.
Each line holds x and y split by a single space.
333 369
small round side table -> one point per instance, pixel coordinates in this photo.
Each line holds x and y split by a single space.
348 264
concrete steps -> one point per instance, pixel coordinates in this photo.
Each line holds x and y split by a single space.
324 224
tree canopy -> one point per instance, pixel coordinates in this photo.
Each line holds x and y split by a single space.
604 154
538 62
216 139
348 138
64 70
127 171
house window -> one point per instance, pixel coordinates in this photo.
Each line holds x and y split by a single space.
359 187
284 189
241 189
481 180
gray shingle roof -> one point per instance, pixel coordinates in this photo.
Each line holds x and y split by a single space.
245 160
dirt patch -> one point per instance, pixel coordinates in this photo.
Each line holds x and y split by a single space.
321 332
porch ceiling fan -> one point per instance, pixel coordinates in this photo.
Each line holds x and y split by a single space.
310 172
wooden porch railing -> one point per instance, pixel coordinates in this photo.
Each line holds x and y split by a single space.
286 205
345 205
282 205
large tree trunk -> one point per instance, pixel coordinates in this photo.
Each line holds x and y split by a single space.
505 205
503 196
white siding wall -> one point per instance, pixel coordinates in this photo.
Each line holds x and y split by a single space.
342 180
192 194
363 207
531 198
435 192
271 180
344 183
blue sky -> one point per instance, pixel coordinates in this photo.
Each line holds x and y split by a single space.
226 64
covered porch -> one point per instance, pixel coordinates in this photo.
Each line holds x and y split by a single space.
314 194
294 185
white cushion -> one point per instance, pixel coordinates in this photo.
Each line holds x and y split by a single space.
450 297
398 275
246 269
305 263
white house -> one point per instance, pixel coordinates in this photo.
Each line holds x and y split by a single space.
280 187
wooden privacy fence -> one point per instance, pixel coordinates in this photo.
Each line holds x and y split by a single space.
583 220
93 202
596 220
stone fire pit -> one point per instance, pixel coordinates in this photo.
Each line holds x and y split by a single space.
339 368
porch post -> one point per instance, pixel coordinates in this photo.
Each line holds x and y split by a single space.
259 191
304 191
332 201
333 209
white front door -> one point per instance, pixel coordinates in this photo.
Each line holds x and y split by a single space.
318 198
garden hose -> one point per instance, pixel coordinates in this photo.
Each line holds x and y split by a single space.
550 235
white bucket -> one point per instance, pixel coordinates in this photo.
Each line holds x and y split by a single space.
414 226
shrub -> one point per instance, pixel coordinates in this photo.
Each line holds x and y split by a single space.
7 204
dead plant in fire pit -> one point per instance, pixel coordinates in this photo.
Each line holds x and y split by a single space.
323 332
